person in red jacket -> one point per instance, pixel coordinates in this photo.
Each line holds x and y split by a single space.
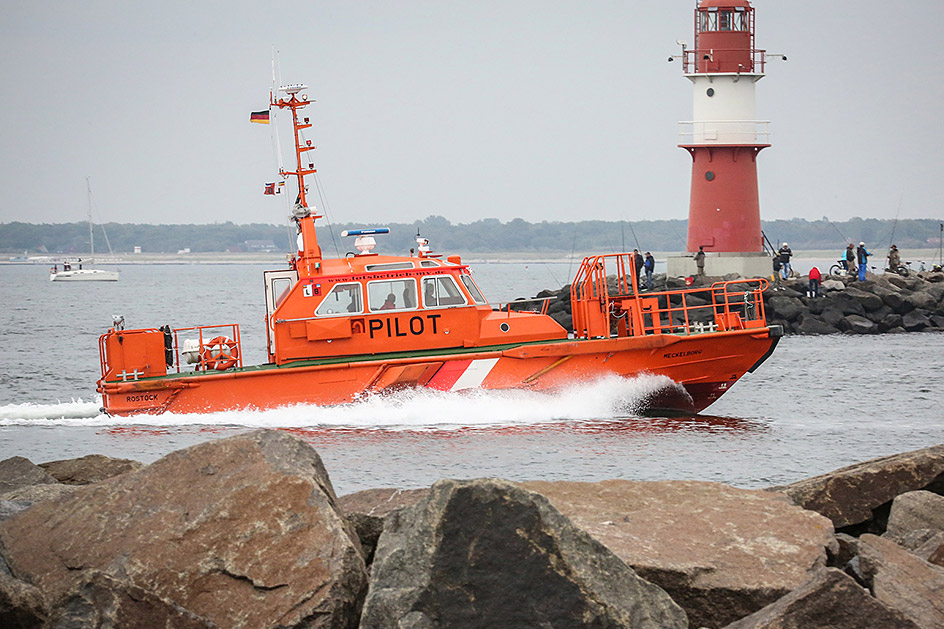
815 278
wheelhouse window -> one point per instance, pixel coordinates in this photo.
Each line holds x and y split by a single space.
470 286
343 299
430 263
397 294
280 288
440 291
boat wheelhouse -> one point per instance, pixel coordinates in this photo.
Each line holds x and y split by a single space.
341 328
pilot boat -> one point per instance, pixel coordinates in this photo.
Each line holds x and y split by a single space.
339 329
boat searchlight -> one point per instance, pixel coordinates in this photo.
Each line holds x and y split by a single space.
365 240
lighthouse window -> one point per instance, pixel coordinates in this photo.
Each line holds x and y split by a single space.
727 20
709 20
710 91
710 175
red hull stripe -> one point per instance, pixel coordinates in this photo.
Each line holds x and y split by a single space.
448 374
457 375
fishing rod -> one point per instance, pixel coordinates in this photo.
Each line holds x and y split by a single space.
895 224
767 240
573 250
679 236
633 231
841 235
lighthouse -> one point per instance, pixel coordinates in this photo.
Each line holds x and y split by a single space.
724 139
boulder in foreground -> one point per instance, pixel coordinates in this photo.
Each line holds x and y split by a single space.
830 599
915 510
487 553
17 472
861 494
98 600
902 580
89 469
21 604
720 552
243 531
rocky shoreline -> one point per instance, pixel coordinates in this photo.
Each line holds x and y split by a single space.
247 532
883 303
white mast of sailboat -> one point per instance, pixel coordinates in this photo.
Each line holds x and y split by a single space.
88 187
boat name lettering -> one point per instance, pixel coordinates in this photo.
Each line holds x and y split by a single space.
691 352
417 326
142 397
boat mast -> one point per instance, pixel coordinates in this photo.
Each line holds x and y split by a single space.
88 187
309 252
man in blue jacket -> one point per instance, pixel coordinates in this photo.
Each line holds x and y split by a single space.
785 254
862 254
649 265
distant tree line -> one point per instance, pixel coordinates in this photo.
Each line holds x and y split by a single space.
484 236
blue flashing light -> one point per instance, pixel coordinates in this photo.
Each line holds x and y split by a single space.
365 232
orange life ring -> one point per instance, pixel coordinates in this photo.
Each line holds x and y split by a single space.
220 353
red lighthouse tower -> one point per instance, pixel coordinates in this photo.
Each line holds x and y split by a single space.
724 139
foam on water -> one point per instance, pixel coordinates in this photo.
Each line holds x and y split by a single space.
606 398
28 413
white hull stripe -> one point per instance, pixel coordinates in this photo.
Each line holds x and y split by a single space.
475 374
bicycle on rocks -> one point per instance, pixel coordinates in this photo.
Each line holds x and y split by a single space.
904 269
839 268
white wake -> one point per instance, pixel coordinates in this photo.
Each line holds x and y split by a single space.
608 398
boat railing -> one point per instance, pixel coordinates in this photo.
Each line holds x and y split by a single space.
536 305
606 302
217 347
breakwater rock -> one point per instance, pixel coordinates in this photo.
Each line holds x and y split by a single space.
248 532
882 303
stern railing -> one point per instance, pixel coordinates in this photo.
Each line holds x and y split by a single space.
606 302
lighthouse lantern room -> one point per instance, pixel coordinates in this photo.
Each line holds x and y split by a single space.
724 138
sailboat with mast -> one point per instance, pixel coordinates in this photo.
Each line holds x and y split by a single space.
82 274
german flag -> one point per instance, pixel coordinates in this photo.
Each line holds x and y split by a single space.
261 117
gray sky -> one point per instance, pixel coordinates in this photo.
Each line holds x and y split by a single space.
541 110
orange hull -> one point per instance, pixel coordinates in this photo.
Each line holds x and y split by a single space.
706 365
340 328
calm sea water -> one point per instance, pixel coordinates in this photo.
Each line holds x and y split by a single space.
817 404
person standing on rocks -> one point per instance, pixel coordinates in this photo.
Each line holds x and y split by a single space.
649 265
850 259
775 263
815 277
894 259
700 260
637 263
862 254
785 254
